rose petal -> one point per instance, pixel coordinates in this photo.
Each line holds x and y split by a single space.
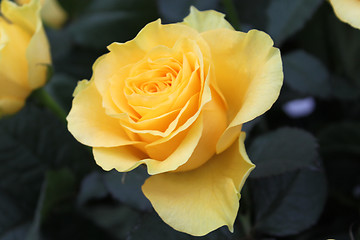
151 36
53 14
123 159
200 201
188 114
38 51
161 151
12 95
114 100
26 16
183 117
12 89
186 84
215 122
38 56
347 11
13 37
156 124
13 82
10 105
248 73
103 69
124 56
155 34
206 20
88 122
172 137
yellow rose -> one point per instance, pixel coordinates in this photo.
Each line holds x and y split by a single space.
24 54
52 13
175 98
347 11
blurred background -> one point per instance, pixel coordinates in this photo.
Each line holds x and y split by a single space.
307 147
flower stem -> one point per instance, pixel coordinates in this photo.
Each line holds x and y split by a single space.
44 97
231 13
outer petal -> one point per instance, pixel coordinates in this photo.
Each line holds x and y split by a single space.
206 20
119 56
10 105
14 67
12 96
53 14
38 51
182 200
215 123
347 11
88 122
124 159
155 34
25 17
248 73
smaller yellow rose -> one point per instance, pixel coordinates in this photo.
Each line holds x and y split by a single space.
347 11
52 13
24 54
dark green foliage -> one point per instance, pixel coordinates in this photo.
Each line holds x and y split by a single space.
306 74
289 203
284 150
287 17
32 142
174 11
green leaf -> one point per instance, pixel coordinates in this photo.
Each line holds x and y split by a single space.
339 147
283 150
305 74
23 159
341 138
78 62
344 44
31 142
99 30
74 8
58 186
126 187
248 126
150 226
110 21
127 5
18 233
60 42
286 17
343 89
252 14
176 11
92 187
45 100
116 220
288 203
60 88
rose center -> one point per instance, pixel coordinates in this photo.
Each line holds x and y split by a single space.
152 77
160 85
